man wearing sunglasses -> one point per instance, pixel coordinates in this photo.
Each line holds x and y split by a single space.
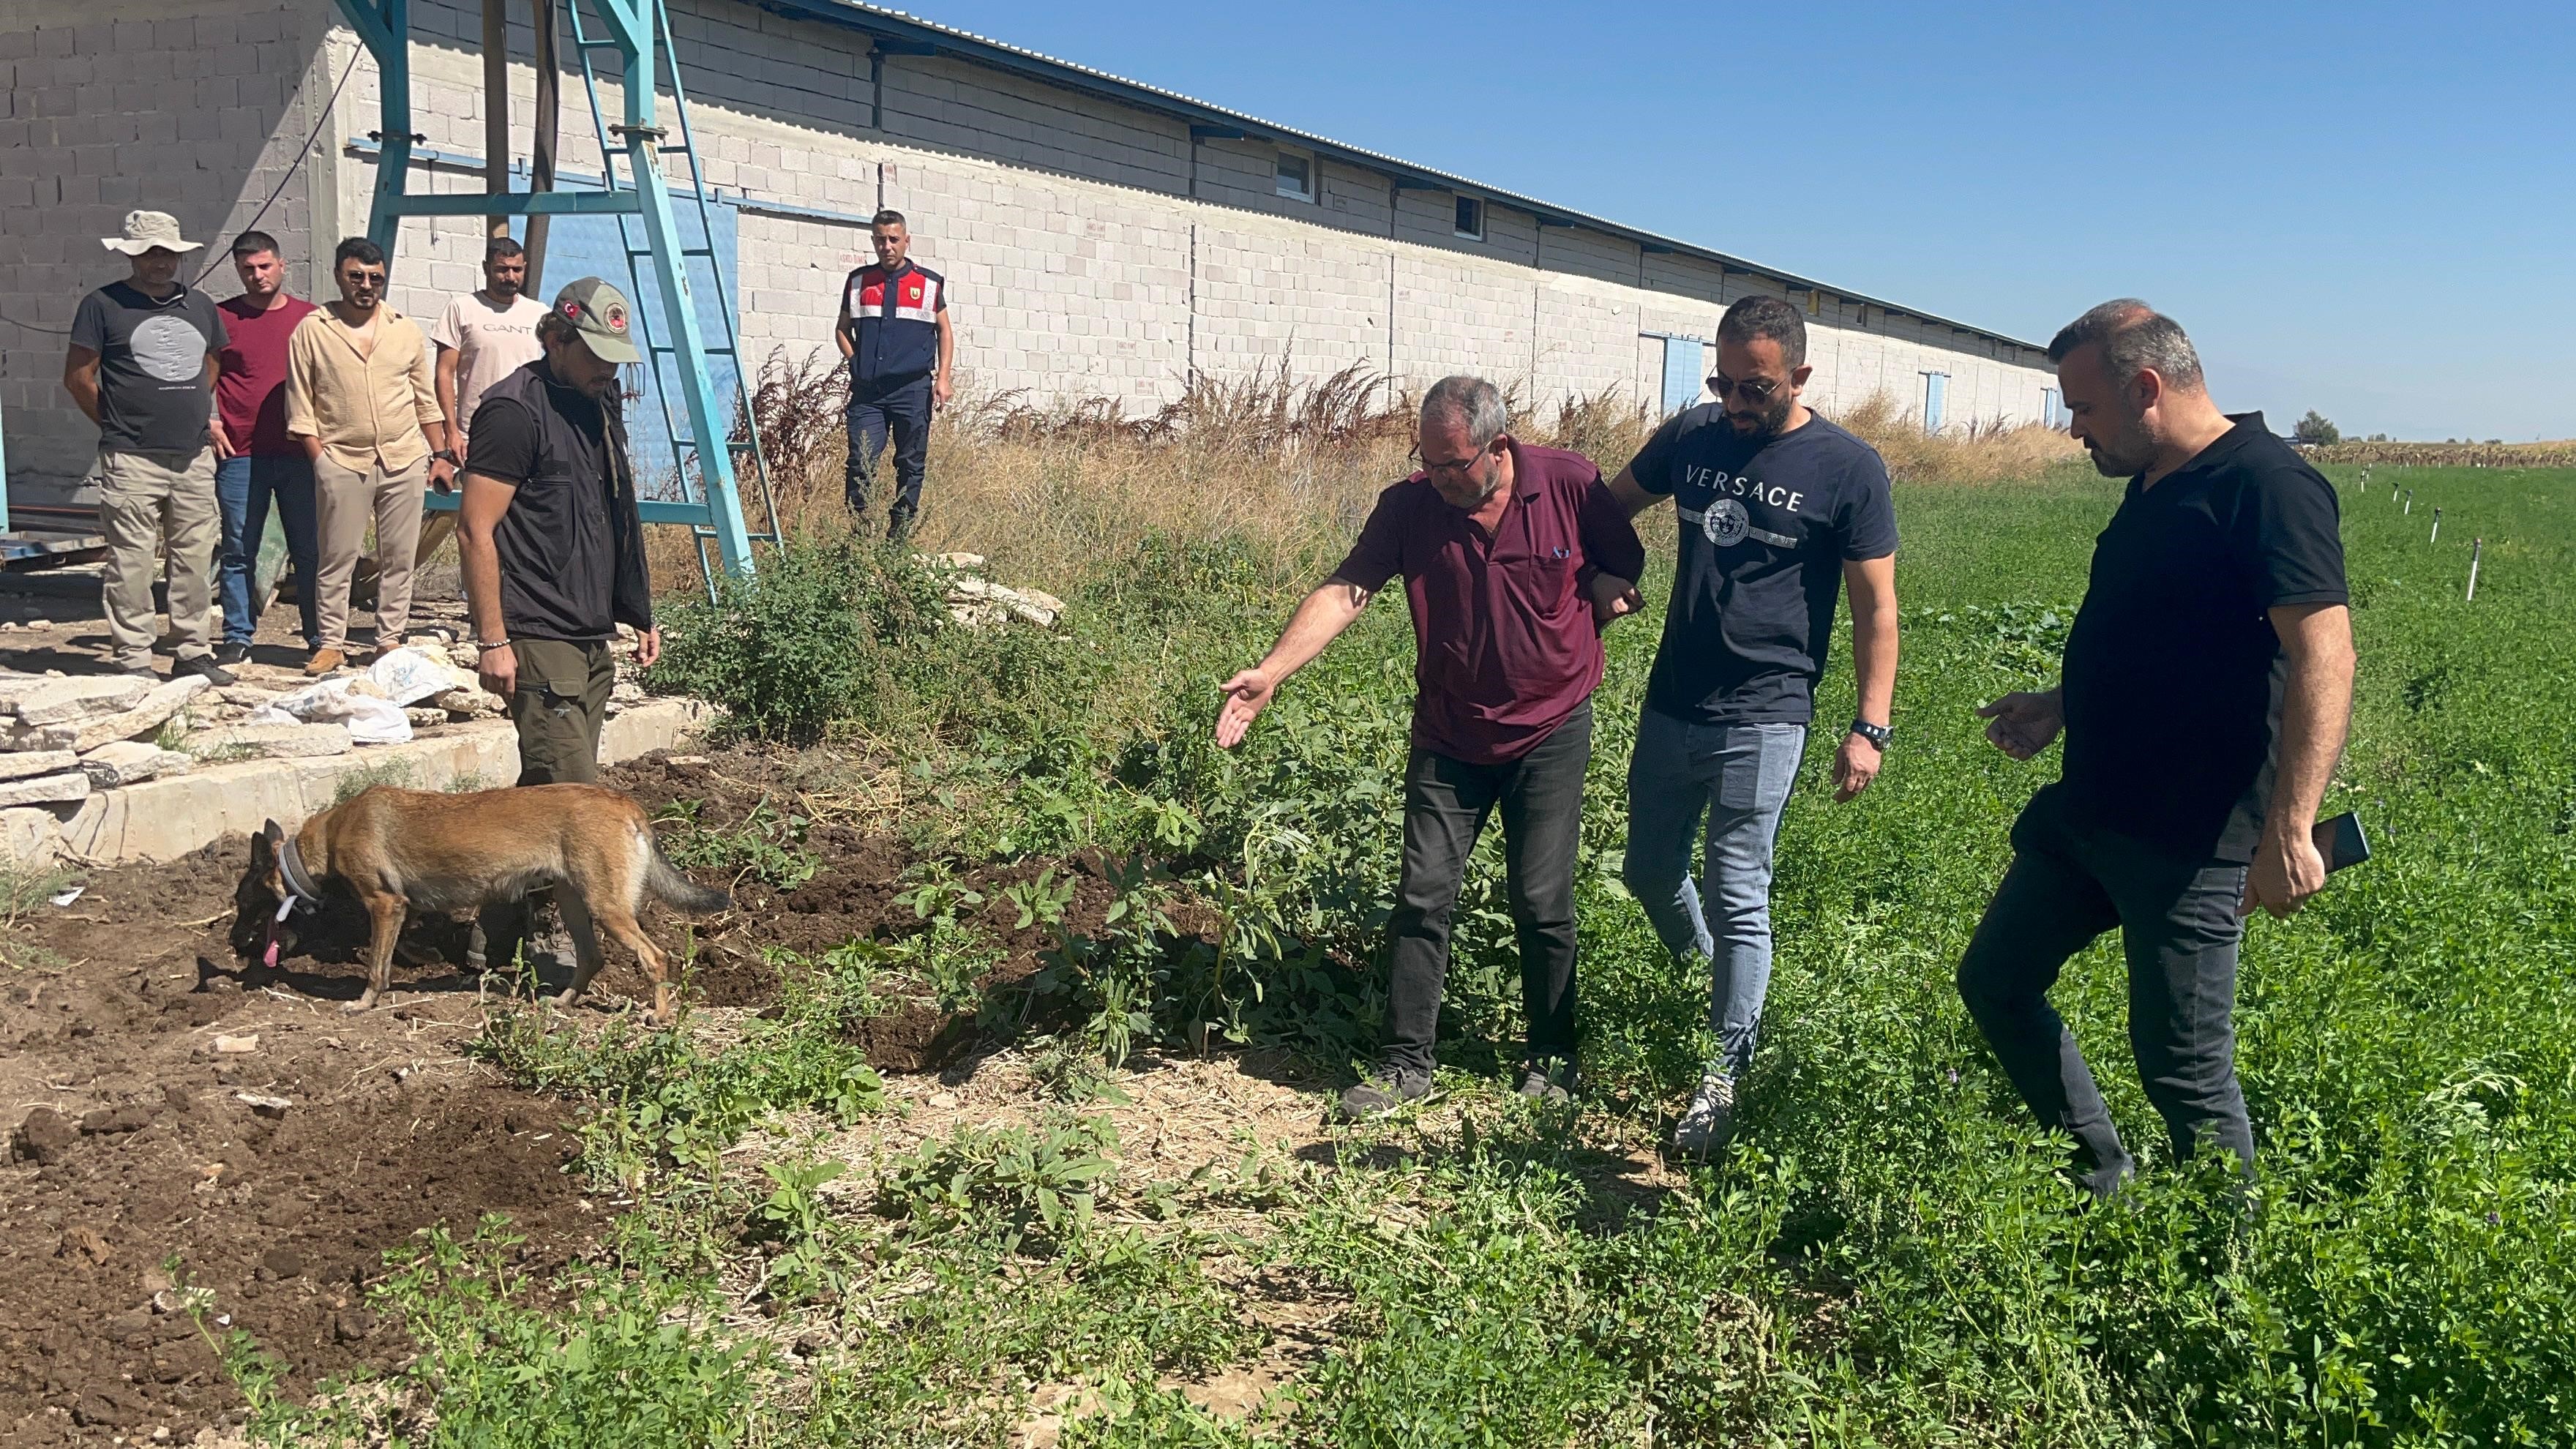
1780 510
1513 557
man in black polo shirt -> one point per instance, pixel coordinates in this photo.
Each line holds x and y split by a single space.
894 330
2206 688
552 547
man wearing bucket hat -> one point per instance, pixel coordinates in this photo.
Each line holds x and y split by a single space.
142 366
553 553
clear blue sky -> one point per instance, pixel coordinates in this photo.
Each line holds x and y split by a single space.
2364 208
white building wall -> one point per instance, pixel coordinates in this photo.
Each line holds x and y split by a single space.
1092 248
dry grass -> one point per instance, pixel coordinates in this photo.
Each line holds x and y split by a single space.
1049 494
2449 455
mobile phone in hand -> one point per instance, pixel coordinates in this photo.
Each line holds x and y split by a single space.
2341 841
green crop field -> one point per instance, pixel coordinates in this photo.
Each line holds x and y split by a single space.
1891 1255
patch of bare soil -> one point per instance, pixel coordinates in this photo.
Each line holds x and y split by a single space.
850 898
160 1110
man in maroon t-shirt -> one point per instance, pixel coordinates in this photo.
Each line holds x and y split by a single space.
1513 558
256 459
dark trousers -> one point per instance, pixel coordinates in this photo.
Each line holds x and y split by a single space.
903 412
243 487
1446 802
2069 883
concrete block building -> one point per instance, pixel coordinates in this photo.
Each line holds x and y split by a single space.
1101 237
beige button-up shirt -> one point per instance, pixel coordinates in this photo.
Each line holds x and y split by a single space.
369 409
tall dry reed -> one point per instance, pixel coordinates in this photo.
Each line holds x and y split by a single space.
1050 494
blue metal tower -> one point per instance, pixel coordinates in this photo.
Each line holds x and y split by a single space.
640 32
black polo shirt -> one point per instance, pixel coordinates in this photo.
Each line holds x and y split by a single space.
571 544
2174 676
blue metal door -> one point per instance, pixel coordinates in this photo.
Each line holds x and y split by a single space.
1936 386
593 246
1683 379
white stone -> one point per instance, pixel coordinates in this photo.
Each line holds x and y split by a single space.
127 762
45 789
63 700
20 764
469 701
280 741
155 711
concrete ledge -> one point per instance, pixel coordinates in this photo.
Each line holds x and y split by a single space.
161 820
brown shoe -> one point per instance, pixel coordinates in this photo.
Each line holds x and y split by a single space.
324 661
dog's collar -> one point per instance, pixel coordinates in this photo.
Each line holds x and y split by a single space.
300 889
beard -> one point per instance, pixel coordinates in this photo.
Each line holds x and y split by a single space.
2125 454
1765 423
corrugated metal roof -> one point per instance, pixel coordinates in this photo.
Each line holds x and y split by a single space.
919 36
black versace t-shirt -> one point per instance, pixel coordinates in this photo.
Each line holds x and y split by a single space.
2174 675
1766 527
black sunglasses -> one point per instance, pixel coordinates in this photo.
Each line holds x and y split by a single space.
1753 390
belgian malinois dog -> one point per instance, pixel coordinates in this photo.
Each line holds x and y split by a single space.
404 850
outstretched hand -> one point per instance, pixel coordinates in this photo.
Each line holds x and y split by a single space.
1246 696
2022 724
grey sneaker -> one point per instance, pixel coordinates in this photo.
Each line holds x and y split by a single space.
1394 1087
1548 1079
1710 1117
204 667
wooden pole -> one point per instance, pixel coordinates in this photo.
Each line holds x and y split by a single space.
541 158
2476 548
496 110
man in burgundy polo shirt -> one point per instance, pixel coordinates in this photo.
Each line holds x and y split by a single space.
257 460
1513 557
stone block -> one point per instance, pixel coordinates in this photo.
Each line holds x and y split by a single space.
44 789
155 711
278 741
30 836
23 764
128 762
78 697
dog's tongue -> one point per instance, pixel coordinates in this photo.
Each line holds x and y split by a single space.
268 958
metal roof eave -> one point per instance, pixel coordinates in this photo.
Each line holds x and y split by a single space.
916 36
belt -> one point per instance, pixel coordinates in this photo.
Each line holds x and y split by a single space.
1711 529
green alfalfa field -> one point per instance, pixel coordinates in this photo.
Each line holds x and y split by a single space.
1121 1220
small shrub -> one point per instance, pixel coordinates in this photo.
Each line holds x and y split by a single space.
1047 1176
767 846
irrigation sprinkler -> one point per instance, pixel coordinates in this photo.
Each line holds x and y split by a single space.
2410 504
2477 546
2437 527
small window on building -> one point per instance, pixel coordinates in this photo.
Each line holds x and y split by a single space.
1296 176
1471 218
1815 303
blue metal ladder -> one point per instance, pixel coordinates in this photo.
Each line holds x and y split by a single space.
640 32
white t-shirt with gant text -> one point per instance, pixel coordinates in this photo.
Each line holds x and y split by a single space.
490 342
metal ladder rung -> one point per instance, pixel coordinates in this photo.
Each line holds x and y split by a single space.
707 351
709 253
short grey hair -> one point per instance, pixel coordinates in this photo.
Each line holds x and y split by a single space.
1459 400
2134 338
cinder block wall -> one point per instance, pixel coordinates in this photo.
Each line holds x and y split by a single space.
193 107
1093 249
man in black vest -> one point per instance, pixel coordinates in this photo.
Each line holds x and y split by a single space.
894 330
2205 693
552 546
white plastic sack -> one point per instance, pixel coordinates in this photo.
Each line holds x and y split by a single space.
370 720
408 676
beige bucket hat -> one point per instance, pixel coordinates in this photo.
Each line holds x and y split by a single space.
145 230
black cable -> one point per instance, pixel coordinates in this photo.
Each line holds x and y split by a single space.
258 216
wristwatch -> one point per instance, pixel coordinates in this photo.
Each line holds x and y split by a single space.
448 455
1876 734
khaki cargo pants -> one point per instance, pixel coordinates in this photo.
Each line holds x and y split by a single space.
559 705
144 501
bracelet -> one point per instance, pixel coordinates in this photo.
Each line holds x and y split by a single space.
488 648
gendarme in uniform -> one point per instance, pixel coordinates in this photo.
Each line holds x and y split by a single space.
571 543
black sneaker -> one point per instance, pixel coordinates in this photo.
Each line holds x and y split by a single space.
1548 1079
1394 1087
232 654
203 667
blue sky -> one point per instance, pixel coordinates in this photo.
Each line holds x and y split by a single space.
2362 208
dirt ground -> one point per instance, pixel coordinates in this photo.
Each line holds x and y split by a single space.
178 1122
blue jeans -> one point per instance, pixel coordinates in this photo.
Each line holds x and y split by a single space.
1738 777
904 413
243 486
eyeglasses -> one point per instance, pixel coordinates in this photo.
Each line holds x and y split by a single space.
1457 466
1752 389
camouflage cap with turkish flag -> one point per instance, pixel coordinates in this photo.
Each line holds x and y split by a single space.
599 313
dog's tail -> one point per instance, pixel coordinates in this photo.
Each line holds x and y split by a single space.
678 891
